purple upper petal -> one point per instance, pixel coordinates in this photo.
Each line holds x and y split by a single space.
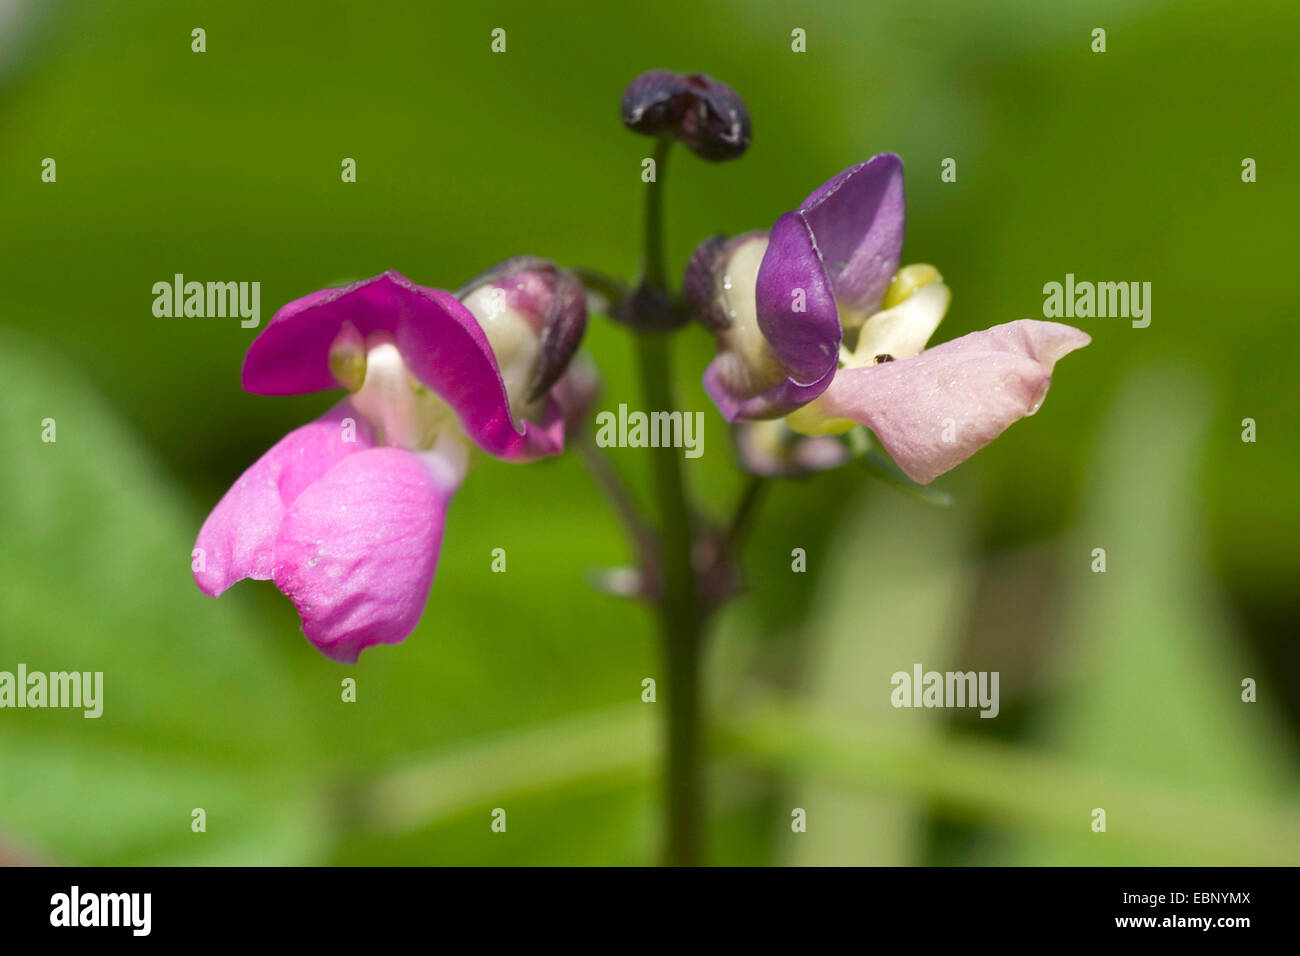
796 307
439 340
935 410
857 221
238 538
357 549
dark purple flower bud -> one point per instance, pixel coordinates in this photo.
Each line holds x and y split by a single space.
705 282
702 282
709 118
562 329
534 315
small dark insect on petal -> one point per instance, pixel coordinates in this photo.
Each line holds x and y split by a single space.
883 357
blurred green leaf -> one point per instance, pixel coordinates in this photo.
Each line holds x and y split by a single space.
890 598
1023 792
545 757
1154 677
197 711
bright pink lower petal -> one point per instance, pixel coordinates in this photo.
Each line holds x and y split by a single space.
935 410
237 541
357 550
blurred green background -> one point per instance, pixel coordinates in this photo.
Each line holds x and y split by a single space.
522 690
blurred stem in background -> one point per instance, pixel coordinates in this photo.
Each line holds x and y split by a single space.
962 778
680 609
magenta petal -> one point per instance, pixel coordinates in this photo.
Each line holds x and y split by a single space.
857 221
796 308
237 540
356 551
935 410
439 340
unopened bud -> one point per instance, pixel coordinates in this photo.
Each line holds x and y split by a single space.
534 315
708 284
708 117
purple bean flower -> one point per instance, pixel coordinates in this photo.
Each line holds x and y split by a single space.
816 322
345 514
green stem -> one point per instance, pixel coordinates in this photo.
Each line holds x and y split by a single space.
655 270
680 617
681 625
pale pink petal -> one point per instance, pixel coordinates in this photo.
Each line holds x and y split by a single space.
935 410
357 550
238 539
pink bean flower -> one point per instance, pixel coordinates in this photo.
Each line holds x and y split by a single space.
817 325
345 514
